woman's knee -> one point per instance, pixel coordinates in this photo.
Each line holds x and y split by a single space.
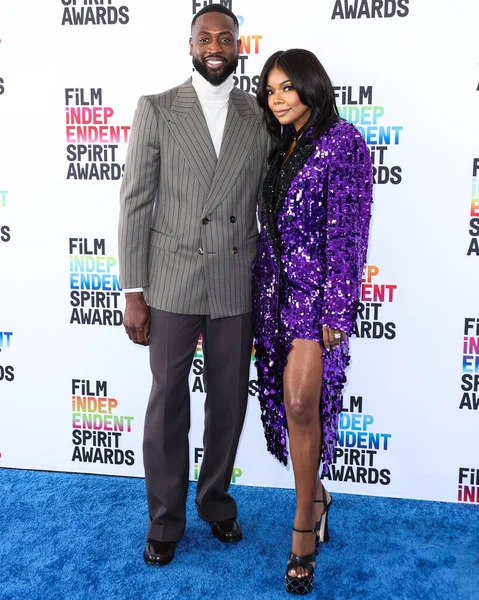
302 410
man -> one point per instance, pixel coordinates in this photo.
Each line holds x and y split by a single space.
188 236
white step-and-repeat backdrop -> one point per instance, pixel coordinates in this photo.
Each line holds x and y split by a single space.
73 388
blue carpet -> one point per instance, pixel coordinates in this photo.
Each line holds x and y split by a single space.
81 537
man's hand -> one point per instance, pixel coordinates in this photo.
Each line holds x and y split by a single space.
137 318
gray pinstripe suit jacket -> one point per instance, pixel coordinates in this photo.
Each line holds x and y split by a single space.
188 230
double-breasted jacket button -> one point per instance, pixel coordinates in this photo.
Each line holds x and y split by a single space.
200 251
234 251
233 219
205 221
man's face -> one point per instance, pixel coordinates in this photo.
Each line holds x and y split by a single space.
214 46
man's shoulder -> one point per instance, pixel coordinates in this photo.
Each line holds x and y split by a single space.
166 99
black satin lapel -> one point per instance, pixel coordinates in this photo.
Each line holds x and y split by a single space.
274 196
289 171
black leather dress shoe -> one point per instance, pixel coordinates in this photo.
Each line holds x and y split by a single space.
159 553
226 531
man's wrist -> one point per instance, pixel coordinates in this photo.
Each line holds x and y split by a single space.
134 297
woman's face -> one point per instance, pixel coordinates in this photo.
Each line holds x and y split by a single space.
284 101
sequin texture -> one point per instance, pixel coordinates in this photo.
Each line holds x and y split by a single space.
308 270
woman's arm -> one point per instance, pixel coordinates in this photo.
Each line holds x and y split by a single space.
349 201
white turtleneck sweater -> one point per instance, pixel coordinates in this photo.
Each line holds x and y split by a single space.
214 103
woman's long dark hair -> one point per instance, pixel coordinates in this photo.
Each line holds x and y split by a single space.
314 89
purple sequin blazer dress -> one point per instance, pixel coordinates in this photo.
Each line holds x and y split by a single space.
307 273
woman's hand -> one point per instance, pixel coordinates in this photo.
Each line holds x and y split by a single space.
332 337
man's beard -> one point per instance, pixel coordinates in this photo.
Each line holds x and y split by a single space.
218 79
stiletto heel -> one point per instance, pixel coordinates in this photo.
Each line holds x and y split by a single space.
300 585
322 529
322 532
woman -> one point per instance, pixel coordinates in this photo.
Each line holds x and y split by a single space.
306 281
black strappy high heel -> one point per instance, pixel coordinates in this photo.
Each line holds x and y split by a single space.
322 530
300 585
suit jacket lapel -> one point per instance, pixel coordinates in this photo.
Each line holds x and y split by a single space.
187 124
241 128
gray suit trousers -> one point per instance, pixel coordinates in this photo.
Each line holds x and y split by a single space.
227 344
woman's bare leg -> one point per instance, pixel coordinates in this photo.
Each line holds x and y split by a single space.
302 396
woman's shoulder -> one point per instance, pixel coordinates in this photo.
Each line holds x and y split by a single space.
339 134
345 133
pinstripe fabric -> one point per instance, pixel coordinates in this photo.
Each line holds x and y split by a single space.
172 183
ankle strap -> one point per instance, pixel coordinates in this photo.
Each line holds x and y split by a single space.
304 530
